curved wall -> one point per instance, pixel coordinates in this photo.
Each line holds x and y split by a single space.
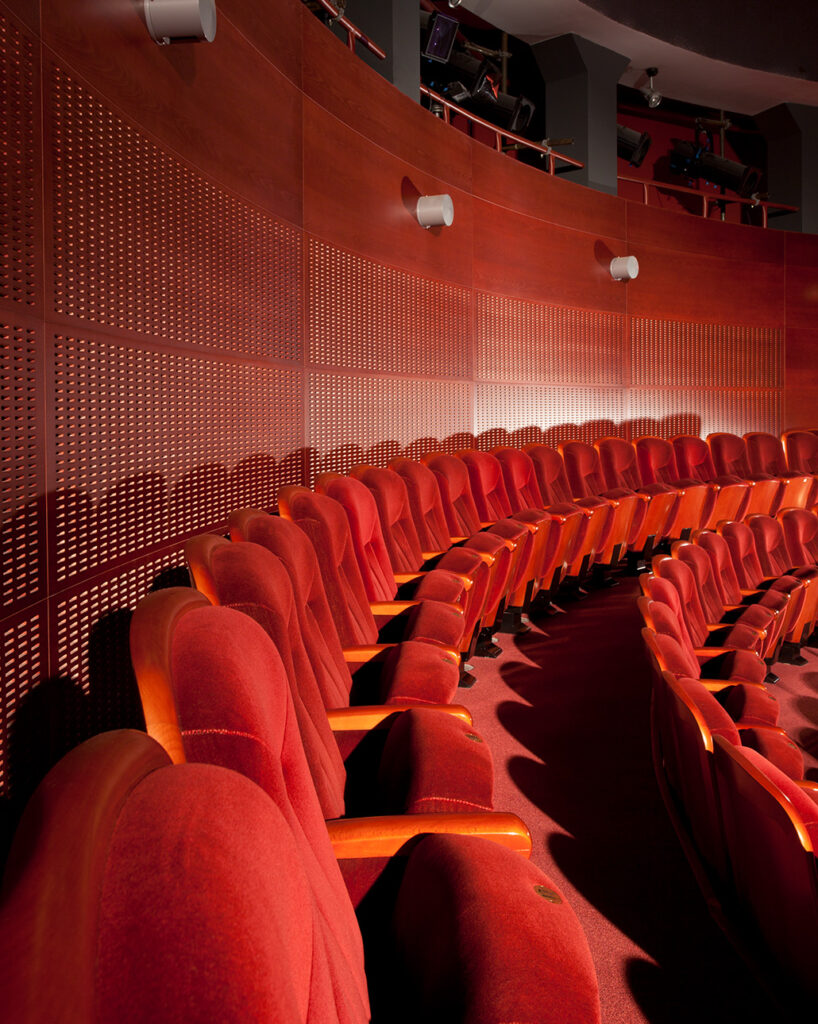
213 285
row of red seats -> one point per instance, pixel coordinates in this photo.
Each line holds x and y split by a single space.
259 922
733 781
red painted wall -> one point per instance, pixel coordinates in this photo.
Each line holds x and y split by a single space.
214 284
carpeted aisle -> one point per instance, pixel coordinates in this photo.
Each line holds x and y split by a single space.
566 712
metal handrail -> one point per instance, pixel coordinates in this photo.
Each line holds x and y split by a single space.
708 198
352 31
500 133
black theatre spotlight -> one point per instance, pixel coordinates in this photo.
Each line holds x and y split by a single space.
631 145
693 162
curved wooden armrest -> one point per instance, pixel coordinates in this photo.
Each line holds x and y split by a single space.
459 540
714 627
365 652
808 785
427 556
716 685
370 716
764 728
387 835
396 607
407 577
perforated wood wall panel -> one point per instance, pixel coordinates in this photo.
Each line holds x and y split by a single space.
23 663
366 316
142 242
539 343
567 413
19 148
354 419
710 409
151 445
21 470
679 354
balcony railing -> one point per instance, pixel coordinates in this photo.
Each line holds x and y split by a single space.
354 34
500 134
708 198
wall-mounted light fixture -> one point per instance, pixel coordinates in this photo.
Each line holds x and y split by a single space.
435 211
624 268
181 21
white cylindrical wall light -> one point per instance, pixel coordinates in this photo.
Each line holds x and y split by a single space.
172 21
435 211
624 268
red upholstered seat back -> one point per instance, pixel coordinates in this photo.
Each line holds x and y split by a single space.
672 642
657 460
397 524
487 485
250 578
520 479
741 543
292 547
801 535
462 517
722 564
770 545
425 504
765 453
552 480
365 531
700 565
325 523
693 458
619 466
771 830
583 468
729 455
802 451
682 578
171 892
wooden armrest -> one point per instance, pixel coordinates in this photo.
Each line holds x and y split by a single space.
808 785
427 556
764 728
364 652
370 716
716 685
387 835
396 607
407 577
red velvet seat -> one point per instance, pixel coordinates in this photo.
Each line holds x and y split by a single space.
697 500
493 505
771 832
662 612
694 462
598 513
358 619
716 610
375 561
138 890
417 760
732 593
687 718
620 469
463 520
730 457
751 577
568 553
586 479
800 528
404 673
434 536
774 558
801 450
702 632
765 455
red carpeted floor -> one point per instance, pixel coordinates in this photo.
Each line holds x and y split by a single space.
566 712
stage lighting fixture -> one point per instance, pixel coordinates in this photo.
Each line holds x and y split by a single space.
687 159
631 145
455 3
653 97
441 32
